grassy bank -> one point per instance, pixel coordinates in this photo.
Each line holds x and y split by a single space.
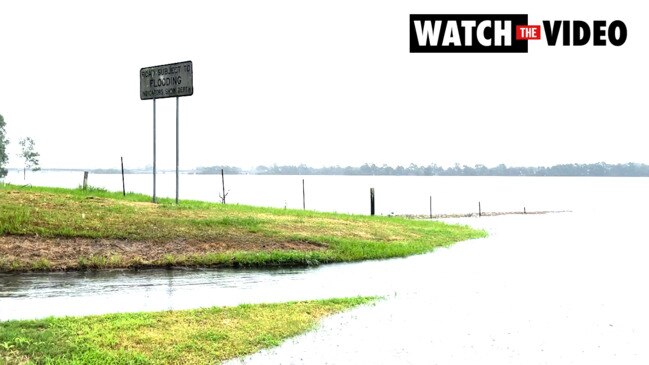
52 228
200 336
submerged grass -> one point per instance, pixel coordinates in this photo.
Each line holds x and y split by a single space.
199 336
252 233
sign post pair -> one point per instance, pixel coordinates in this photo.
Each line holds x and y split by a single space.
166 81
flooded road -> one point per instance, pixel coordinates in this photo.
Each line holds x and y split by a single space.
25 296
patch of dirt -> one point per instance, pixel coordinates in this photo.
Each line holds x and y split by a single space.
64 253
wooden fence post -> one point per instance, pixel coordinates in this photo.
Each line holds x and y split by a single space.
123 184
223 185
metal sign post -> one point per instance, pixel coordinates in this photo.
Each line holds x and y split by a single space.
154 155
166 81
177 149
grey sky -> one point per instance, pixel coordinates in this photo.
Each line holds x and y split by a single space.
320 83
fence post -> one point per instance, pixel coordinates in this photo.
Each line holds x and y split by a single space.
371 201
303 196
223 185
85 180
123 184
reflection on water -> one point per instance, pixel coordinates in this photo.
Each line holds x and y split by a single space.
62 284
74 293
35 295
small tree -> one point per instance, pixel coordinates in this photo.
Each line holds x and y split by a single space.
3 148
29 155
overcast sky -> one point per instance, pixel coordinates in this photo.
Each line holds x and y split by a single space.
320 83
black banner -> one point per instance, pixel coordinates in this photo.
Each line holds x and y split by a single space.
466 33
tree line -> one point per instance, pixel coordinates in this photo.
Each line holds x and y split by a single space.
594 169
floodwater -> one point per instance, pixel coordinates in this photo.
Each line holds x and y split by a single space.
36 295
394 194
554 289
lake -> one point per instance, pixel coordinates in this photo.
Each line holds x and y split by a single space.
394 194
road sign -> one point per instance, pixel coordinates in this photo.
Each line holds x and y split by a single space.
166 81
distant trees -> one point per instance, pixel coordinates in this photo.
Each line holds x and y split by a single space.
597 169
29 155
210 170
3 148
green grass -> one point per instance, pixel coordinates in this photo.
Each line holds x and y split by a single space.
96 213
199 336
